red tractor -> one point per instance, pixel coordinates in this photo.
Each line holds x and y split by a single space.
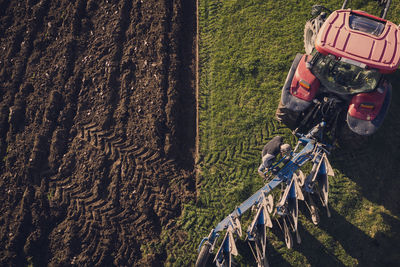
341 78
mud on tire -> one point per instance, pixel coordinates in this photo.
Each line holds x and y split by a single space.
286 116
311 30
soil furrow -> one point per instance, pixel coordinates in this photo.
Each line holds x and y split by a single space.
115 75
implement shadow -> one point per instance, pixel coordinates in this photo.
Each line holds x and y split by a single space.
311 248
314 251
273 256
366 250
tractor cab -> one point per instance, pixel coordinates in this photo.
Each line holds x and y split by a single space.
370 42
343 76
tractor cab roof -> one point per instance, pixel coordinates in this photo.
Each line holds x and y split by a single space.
361 37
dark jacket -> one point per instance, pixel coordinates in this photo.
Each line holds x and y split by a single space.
269 153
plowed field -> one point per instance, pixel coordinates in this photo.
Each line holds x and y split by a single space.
97 129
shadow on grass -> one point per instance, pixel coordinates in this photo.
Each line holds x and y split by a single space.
273 256
355 242
314 251
375 168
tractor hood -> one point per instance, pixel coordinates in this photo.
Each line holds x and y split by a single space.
361 37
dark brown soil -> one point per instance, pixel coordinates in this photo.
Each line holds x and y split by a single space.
97 129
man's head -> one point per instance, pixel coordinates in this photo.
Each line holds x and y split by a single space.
286 149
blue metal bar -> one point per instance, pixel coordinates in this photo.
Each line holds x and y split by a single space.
248 203
284 175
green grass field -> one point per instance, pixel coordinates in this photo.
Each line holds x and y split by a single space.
246 49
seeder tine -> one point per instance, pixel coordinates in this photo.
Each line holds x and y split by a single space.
285 195
227 249
262 218
257 234
329 169
323 182
299 192
236 226
288 235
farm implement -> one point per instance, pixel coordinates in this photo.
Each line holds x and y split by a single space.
294 186
337 90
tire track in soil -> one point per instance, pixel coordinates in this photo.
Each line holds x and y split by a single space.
74 196
85 177
50 142
35 163
19 56
94 135
17 59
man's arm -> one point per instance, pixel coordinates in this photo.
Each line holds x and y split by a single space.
266 163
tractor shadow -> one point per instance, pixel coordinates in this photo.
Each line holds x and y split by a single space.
374 167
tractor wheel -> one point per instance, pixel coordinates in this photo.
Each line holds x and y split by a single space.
311 30
203 255
287 116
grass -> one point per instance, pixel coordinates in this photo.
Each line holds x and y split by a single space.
246 49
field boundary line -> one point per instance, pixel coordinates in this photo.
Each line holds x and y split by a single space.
197 84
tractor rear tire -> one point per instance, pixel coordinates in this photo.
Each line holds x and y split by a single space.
311 30
203 255
287 116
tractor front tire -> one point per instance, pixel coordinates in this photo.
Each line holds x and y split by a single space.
311 30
